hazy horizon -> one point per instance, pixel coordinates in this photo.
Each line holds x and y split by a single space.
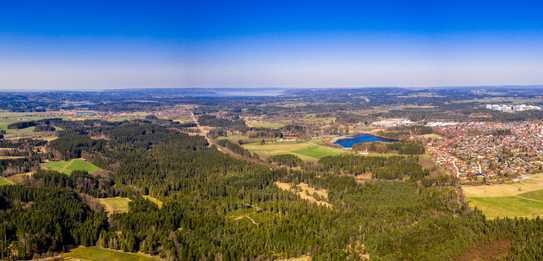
242 44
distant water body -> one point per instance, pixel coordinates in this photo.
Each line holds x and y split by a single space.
347 143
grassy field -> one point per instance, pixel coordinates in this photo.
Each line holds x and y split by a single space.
19 178
318 151
309 151
67 167
512 206
4 181
265 124
7 118
532 183
96 253
520 199
115 205
156 201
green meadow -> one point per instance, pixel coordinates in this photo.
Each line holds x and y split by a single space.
4 181
318 151
308 151
529 204
67 167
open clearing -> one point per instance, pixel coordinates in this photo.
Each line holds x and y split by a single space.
96 253
308 151
19 178
265 124
116 205
4 181
513 206
531 183
306 192
520 199
67 167
7 118
156 201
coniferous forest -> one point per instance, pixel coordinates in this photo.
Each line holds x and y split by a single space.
220 208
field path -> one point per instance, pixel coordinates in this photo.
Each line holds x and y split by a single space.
247 217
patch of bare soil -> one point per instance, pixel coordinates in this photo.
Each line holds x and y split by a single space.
494 250
306 192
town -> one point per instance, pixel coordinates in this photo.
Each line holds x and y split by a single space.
490 150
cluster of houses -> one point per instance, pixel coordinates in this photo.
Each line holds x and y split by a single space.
489 149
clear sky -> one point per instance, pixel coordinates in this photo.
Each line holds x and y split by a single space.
123 44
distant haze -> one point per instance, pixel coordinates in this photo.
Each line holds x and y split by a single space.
66 45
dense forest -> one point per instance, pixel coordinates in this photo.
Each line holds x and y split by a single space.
401 147
218 207
287 160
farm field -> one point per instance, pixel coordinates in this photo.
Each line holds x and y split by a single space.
531 183
115 205
521 199
5 181
7 118
67 167
512 206
96 253
264 124
309 151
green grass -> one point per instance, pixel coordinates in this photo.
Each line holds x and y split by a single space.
96 253
535 195
7 118
67 167
318 151
4 181
308 151
528 204
115 205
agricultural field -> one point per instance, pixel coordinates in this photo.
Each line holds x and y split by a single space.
96 253
5 181
318 120
308 151
531 183
7 118
115 205
67 167
520 199
265 124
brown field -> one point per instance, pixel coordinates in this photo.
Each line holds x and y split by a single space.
116 205
532 183
306 192
19 178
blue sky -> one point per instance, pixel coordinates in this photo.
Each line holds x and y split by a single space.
123 44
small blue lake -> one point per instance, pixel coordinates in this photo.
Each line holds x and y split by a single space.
347 143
